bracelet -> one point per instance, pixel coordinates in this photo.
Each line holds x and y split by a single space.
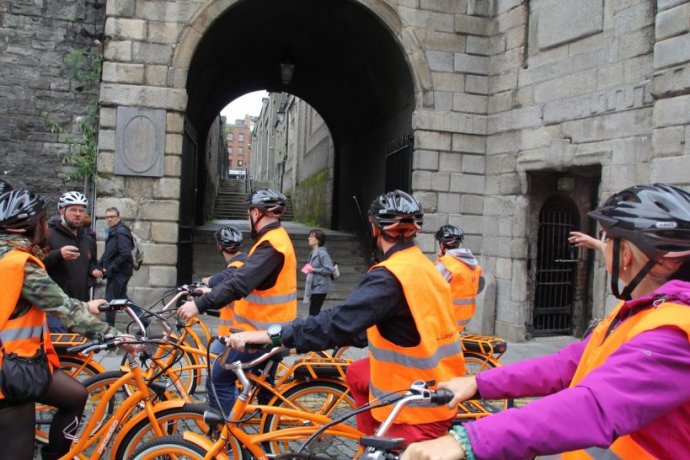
459 433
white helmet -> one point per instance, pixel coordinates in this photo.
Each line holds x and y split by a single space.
71 198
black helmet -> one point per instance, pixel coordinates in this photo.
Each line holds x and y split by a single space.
20 209
450 235
228 238
268 201
397 214
655 218
4 187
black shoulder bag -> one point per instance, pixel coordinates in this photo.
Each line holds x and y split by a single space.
25 379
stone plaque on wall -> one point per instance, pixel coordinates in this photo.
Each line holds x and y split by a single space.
564 21
139 142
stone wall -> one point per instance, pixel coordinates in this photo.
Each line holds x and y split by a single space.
36 38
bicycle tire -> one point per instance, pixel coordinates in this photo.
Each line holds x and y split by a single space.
327 398
477 362
167 447
189 417
80 369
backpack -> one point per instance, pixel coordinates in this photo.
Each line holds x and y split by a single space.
336 271
137 251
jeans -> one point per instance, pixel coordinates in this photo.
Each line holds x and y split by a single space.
224 381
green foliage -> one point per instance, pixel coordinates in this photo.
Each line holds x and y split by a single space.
84 69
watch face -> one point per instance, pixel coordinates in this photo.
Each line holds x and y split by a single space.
275 329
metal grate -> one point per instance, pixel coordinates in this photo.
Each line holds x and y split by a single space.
556 269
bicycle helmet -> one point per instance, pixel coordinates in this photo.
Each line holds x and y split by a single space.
71 198
4 187
655 218
267 201
229 238
397 214
20 209
450 236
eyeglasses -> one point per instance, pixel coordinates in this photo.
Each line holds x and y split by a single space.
111 217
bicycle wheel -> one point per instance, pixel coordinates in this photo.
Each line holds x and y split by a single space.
188 368
477 362
74 366
169 447
189 417
330 399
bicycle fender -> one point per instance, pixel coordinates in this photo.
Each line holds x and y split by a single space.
204 443
132 421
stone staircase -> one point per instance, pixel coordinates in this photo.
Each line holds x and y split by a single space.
344 248
230 199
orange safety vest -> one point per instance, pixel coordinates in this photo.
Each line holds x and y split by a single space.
599 348
464 286
22 335
437 357
277 304
226 319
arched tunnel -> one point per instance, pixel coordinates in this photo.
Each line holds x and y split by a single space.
348 66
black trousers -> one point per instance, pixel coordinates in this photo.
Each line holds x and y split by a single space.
315 303
116 288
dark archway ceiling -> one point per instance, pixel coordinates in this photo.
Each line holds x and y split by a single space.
347 64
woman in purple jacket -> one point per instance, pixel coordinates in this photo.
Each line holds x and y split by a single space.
632 399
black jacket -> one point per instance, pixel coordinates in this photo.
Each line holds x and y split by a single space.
73 276
117 256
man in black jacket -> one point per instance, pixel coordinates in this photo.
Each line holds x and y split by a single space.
71 262
116 261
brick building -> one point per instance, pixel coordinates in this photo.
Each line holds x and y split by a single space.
238 139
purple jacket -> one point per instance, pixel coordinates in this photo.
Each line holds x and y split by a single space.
644 379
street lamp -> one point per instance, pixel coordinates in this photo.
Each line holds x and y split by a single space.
287 71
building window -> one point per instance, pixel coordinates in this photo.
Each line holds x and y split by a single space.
240 150
241 138
230 150
230 137
240 163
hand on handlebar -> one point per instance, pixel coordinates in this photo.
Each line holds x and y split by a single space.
443 448
240 340
94 304
128 343
463 388
187 311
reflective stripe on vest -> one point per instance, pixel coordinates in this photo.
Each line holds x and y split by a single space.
277 304
227 314
464 285
22 335
388 356
600 347
437 356
271 300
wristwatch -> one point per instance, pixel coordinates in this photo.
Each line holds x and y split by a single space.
275 332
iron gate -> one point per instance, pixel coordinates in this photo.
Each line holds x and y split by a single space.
188 196
556 268
399 163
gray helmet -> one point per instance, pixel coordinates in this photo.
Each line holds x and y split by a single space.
71 198
450 235
267 201
655 218
397 214
20 209
229 238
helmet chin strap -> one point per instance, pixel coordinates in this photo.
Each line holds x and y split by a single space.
254 233
615 271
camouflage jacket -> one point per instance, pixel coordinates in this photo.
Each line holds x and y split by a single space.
40 290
